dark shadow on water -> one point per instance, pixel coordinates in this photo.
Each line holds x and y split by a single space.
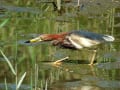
78 61
68 61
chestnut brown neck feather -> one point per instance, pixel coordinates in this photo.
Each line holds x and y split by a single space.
56 36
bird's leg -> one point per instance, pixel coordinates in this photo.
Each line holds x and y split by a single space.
93 57
58 62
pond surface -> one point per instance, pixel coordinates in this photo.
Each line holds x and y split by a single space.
33 63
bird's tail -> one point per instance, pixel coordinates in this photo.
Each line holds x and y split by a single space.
108 38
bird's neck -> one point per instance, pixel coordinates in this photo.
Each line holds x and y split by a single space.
57 36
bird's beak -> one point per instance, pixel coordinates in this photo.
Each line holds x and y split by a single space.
38 39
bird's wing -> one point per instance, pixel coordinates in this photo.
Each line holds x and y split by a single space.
93 36
79 42
82 39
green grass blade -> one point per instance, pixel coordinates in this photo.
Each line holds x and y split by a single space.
9 63
4 22
21 80
46 85
6 88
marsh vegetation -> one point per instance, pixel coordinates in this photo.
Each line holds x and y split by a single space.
29 66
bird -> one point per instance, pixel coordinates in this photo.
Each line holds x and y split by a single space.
75 39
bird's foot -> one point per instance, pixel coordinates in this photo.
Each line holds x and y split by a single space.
93 64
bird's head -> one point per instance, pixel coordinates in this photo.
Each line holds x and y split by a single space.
45 37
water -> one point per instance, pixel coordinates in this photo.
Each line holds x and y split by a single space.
23 20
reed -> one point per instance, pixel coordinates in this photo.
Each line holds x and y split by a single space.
18 82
